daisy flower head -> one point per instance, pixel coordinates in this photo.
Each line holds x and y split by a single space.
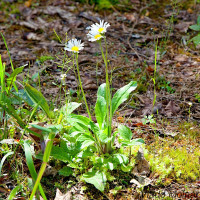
94 35
100 28
63 76
74 45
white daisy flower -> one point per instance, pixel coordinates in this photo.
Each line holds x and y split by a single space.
93 35
74 45
100 28
63 76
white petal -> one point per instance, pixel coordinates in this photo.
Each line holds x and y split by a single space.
74 42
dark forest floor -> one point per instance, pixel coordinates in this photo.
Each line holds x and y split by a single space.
136 28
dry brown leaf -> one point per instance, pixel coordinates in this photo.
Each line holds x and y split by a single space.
171 109
66 15
141 170
127 112
28 3
31 36
131 16
89 15
142 166
183 26
170 133
141 181
120 119
149 109
30 24
88 83
181 58
61 196
150 69
4 190
91 86
50 171
189 10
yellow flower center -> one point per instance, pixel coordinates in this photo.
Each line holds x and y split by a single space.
101 30
97 36
75 48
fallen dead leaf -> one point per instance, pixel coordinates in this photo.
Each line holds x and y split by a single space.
30 36
171 109
4 190
181 58
120 119
150 109
178 64
141 181
142 166
138 124
90 87
28 3
183 26
170 133
66 15
189 10
61 196
127 112
30 24
131 16
141 170
90 16
88 83
50 171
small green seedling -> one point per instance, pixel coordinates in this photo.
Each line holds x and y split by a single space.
196 27
197 96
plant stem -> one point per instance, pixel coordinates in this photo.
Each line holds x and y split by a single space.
46 156
108 96
80 83
130 155
154 79
109 83
42 169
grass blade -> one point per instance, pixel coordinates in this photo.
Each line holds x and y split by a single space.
2 76
8 51
3 159
14 192
38 98
31 166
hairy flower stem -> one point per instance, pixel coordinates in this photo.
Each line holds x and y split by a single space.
108 97
110 93
80 83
